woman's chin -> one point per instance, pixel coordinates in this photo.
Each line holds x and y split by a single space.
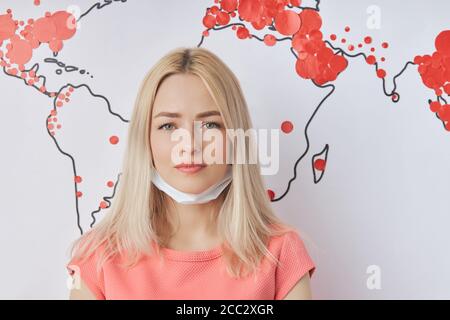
190 189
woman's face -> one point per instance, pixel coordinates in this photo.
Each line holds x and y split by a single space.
180 100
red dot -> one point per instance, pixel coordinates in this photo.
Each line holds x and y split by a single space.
287 127
319 164
214 9
435 106
223 18
271 194
347 29
395 97
381 73
229 5
79 194
114 139
242 33
371 59
103 204
209 21
110 184
78 179
368 40
270 40
385 45
333 37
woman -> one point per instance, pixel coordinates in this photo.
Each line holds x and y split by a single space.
184 228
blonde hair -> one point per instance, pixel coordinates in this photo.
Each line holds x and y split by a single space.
138 214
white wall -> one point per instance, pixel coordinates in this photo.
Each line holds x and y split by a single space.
383 199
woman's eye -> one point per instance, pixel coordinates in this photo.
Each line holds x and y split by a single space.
166 126
211 125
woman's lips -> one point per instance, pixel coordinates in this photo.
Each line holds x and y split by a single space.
190 168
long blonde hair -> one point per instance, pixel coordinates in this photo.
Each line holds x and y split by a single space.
137 216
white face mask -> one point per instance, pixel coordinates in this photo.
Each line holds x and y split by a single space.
190 198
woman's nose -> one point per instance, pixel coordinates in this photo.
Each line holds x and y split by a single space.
194 147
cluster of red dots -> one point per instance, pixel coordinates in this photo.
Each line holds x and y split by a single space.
22 38
52 119
29 76
443 112
367 41
314 60
64 97
435 68
52 122
103 204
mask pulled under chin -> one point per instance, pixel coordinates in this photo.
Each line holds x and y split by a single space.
190 198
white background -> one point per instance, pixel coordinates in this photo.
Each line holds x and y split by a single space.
383 199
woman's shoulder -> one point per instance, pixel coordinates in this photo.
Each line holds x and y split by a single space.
294 261
287 237
290 246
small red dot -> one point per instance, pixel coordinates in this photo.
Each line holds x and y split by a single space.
287 127
319 164
368 40
114 139
381 73
371 59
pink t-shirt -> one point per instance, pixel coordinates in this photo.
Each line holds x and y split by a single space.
199 275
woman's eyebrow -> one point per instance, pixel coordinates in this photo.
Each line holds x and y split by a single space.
208 114
178 115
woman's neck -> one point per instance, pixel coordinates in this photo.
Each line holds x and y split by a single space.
194 225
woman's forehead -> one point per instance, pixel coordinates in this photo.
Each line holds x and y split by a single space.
184 94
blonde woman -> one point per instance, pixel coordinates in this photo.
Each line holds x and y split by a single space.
188 229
